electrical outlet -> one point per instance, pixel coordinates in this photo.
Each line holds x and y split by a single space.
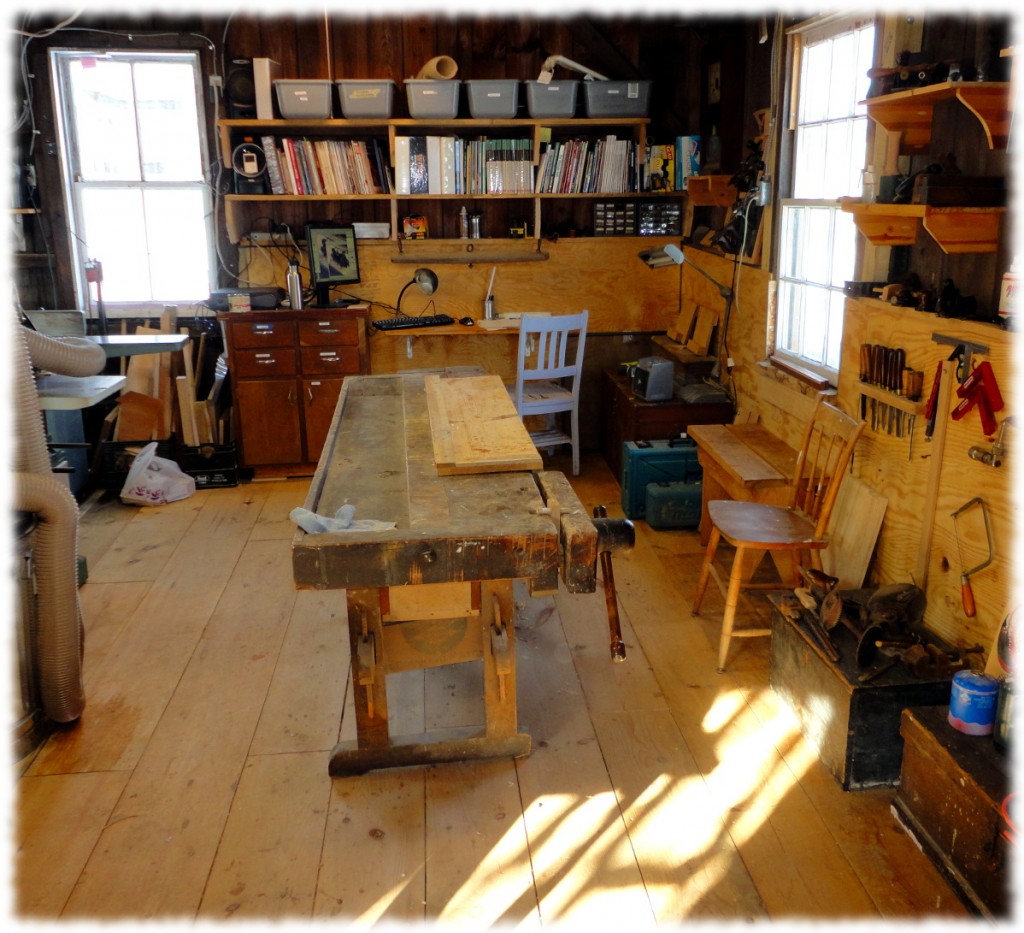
262 237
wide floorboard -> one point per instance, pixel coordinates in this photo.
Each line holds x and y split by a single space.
195 785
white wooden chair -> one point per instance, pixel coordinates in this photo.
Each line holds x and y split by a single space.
548 372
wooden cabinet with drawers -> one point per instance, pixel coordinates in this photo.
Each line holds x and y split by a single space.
627 418
286 371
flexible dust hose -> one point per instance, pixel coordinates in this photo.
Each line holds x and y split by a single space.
70 356
58 630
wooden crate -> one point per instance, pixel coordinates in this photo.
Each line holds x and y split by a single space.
951 789
853 726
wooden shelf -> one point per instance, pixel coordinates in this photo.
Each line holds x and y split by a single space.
710 190
909 113
955 229
539 130
890 398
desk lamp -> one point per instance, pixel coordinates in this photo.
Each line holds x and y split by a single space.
425 279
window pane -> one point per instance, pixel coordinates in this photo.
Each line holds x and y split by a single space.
841 88
834 339
810 162
104 109
107 214
790 246
814 83
816 245
166 95
865 59
169 263
177 245
844 249
838 157
816 304
789 317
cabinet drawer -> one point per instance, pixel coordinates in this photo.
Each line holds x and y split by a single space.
278 361
334 332
330 361
251 334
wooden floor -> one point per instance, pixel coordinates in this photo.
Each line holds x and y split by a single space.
195 785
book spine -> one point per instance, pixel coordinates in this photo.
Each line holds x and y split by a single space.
419 180
402 163
273 166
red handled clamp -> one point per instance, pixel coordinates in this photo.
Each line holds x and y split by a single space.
980 390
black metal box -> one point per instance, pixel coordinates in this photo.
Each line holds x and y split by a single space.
854 727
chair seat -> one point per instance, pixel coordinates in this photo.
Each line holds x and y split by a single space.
756 523
535 391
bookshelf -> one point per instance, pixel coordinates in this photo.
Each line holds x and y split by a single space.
245 210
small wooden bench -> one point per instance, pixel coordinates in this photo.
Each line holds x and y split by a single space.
744 462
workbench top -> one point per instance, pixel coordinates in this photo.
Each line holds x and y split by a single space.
379 457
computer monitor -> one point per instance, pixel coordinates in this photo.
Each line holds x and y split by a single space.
332 258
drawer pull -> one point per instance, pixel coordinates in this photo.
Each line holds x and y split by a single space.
263 329
328 355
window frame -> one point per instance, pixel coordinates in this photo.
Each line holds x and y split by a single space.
798 36
71 189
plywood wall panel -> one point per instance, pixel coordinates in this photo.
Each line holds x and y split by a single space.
903 474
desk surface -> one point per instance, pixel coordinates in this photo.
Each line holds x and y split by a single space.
68 393
748 452
132 344
379 457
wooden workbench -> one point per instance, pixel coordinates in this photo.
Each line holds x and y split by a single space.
744 462
437 588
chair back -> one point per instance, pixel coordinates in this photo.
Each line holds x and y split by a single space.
822 462
557 344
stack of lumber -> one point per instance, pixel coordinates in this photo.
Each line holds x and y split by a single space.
159 398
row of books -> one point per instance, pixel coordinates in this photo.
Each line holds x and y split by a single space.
326 166
670 164
588 166
453 165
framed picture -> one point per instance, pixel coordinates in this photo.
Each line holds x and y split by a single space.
332 258
332 254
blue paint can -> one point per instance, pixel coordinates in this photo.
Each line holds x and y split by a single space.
972 703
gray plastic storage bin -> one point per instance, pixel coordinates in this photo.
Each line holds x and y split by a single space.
302 99
366 98
433 98
617 98
557 99
497 98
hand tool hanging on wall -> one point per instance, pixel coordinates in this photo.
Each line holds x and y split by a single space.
966 592
980 390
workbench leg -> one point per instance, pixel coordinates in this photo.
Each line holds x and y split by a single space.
497 610
366 643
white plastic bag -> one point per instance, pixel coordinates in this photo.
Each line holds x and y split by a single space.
153 480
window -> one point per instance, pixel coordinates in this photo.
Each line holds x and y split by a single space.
817 242
133 158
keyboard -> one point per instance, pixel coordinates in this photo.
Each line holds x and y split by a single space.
425 320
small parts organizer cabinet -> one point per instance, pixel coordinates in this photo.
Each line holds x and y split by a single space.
287 368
